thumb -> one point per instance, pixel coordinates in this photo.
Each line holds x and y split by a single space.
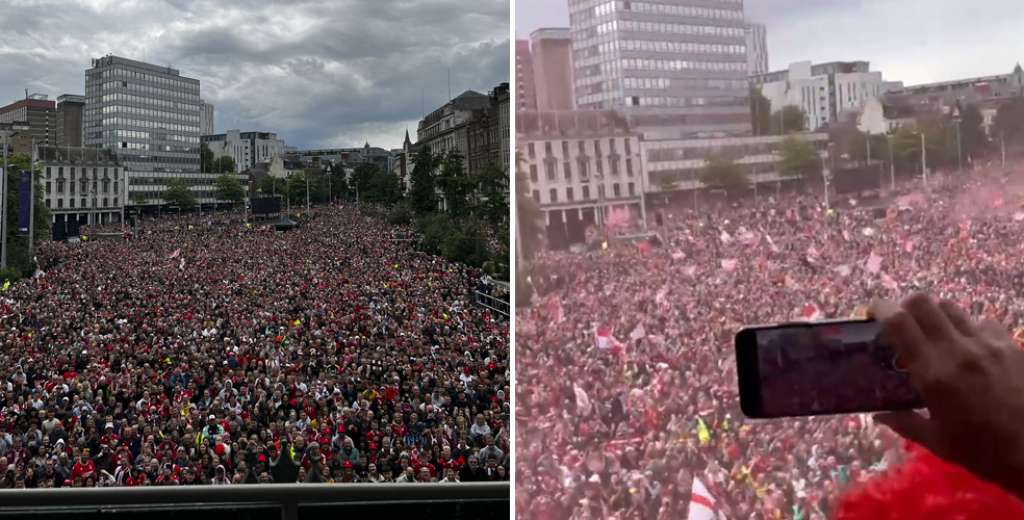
911 426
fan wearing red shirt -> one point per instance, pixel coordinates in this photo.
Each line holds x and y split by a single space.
84 466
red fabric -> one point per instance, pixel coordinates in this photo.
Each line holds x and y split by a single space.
927 487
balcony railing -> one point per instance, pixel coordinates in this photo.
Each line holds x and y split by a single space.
266 501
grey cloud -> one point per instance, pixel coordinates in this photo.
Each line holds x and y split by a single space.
319 72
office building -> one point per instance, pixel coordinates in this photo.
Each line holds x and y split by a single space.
81 184
757 49
246 148
551 54
583 165
675 68
39 112
69 120
149 116
343 157
825 92
446 130
206 118
526 98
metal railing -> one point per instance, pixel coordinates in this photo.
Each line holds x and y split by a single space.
495 304
271 501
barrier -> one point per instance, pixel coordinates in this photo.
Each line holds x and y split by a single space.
259 501
495 304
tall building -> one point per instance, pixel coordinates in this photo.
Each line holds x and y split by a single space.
39 112
675 68
526 98
206 118
551 54
246 148
149 116
81 185
757 49
824 92
487 133
447 128
69 120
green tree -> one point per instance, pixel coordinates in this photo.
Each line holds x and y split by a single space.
270 186
722 172
224 164
296 188
19 262
458 186
799 158
228 188
528 213
422 180
385 188
179 194
972 134
363 178
492 202
1009 121
788 120
760 112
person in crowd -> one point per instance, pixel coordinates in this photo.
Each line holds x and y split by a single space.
625 374
218 354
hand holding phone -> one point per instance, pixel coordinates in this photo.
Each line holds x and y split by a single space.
833 367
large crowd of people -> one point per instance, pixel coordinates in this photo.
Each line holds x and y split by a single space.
625 373
209 350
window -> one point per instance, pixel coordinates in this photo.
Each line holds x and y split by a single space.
549 170
47 188
533 173
616 190
72 202
48 172
47 203
536 196
530 150
565 149
628 152
586 192
629 167
569 195
614 164
553 195
547 148
60 203
567 169
632 190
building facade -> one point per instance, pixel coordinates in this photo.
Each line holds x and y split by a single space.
675 68
582 166
551 54
39 112
446 130
824 92
526 98
206 118
675 165
149 116
246 148
69 120
82 184
344 157
943 96
757 49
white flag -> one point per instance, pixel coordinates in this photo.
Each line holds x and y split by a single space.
702 504
582 401
638 332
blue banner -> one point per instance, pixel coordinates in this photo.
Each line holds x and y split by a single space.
24 201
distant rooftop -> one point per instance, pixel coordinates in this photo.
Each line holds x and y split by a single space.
565 123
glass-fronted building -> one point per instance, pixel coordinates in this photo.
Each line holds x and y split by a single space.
675 68
149 116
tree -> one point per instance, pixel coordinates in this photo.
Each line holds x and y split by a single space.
722 172
1009 121
492 203
457 185
972 135
423 189
799 158
789 119
224 164
19 263
760 112
179 194
206 158
270 185
362 178
528 214
228 188
385 188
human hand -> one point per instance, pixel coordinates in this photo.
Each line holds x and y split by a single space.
969 375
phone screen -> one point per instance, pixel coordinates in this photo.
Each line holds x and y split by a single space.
820 368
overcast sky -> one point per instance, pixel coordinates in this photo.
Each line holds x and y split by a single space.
914 41
317 72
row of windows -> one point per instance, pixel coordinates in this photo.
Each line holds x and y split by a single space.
691 153
150 89
581 146
139 123
688 47
84 187
673 101
148 112
680 65
84 170
159 79
674 28
688 83
583 167
570 193
84 203
176 106
685 10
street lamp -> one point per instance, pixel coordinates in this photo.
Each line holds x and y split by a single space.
959 146
7 129
892 165
826 174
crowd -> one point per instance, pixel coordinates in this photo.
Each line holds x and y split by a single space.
208 350
625 373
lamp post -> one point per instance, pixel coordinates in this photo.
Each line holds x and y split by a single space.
924 160
892 166
959 145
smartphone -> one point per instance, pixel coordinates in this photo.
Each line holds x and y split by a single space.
820 368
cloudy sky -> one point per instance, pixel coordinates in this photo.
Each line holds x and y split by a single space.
317 72
914 41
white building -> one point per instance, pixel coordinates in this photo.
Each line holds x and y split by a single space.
246 148
205 118
583 165
82 184
824 92
757 49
